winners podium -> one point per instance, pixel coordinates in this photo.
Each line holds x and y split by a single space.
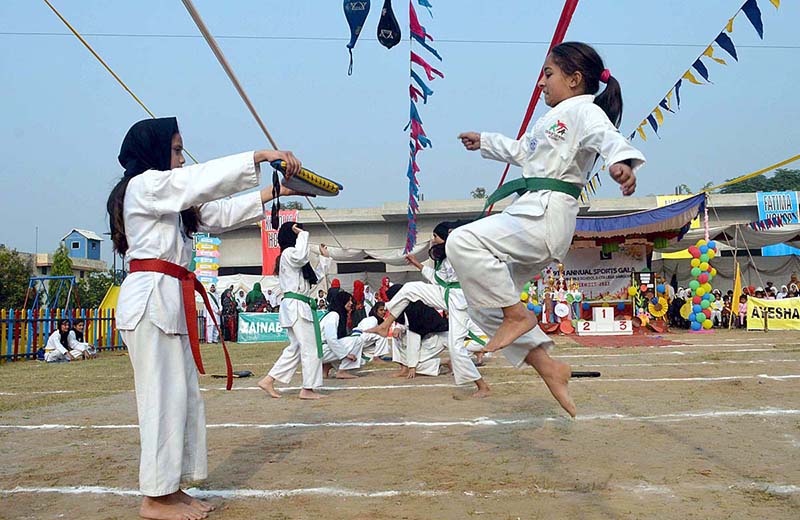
604 324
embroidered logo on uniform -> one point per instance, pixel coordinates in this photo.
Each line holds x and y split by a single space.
558 131
532 146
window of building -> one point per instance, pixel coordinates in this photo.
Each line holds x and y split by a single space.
94 245
75 245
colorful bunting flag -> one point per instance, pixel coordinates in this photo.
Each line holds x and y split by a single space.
656 117
417 138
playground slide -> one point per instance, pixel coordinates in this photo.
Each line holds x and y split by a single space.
110 299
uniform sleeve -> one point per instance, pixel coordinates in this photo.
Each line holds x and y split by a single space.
429 273
323 267
179 189
54 343
603 138
224 214
329 326
504 149
72 341
297 256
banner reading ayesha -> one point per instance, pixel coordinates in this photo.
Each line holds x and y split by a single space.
269 240
600 276
780 314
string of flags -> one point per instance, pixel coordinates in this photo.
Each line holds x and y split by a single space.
418 89
590 189
772 223
698 73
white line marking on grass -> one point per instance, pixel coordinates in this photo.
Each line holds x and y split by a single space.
477 422
274 494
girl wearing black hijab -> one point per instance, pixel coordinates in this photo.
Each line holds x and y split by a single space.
339 345
57 347
443 292
298 314
153 210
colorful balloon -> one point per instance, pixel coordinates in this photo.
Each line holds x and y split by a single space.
708 324
537 309
531 306
705 304
632 291
695 262
703 278
694 252
701 242
703 258
703 266
700 291
700 317
697 308
696 300
712 245
711 254
696 326
661 288
524 296
694 284
696 271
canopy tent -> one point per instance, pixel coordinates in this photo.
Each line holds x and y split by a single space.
740 236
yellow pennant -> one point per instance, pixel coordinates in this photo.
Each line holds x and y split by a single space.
729 27
710 53
659 116
669 98
776 3
690 77
641 133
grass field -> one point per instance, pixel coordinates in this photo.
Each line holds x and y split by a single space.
706 427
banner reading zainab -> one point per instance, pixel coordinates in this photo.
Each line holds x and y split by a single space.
269 240
780 314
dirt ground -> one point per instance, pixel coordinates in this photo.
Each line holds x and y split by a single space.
708 427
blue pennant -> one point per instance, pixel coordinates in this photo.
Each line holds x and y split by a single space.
700 67
426 4
753 13
422 42
678 92
725 42
426 90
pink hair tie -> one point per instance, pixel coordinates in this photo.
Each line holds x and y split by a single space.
605 75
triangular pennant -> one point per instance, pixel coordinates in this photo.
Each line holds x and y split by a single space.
664 103
426 4
700 67
659 116
776 3
725 42
653 123
414 92
429 71
690 77
632 136
729 26
709 52
669 99
678 92
640 130
420 40
753 13
426 91
414 25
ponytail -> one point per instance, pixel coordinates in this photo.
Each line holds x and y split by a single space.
574 57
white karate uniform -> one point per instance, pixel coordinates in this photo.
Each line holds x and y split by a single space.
495 256
80 346
375 345
296 317
433 295
55 351
150 315
421 354
473 330
212 333
335 349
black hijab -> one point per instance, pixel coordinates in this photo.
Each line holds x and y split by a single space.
148 146
442 230
422 319
288 238
338 306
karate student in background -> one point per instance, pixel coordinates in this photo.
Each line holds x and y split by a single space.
444 293
375 345
297 314
153 212
496 255
419 337
76 341
212 333
340 347
58 347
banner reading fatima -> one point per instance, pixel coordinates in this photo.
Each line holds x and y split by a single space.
780 314
780 204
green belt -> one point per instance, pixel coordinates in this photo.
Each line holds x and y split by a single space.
311 302
477 339
526 184
447 286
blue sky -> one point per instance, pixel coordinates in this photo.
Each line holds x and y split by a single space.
64 117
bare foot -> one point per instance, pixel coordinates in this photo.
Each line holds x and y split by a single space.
310 394
556 376
268 385
344 374
403 372
196 503
479 359
517 320
168 507
483 389
381 330
326 370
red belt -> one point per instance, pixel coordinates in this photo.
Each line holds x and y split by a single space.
189 284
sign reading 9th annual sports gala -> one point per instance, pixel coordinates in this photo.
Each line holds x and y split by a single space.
206 258
778 314
781 204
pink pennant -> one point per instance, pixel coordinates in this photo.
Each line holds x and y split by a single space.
414 92
430 71
414 24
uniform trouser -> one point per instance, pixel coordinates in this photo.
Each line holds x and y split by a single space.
172 419
494 257
355 345
212 334
421 354
53 356
464 370
376 345
302 350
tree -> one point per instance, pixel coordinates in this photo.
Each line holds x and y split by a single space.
783 180
479 193
93 289
292 204
62 266
15 273
683 189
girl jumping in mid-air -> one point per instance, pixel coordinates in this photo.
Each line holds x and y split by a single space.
496 255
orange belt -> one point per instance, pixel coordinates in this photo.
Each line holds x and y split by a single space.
189 284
